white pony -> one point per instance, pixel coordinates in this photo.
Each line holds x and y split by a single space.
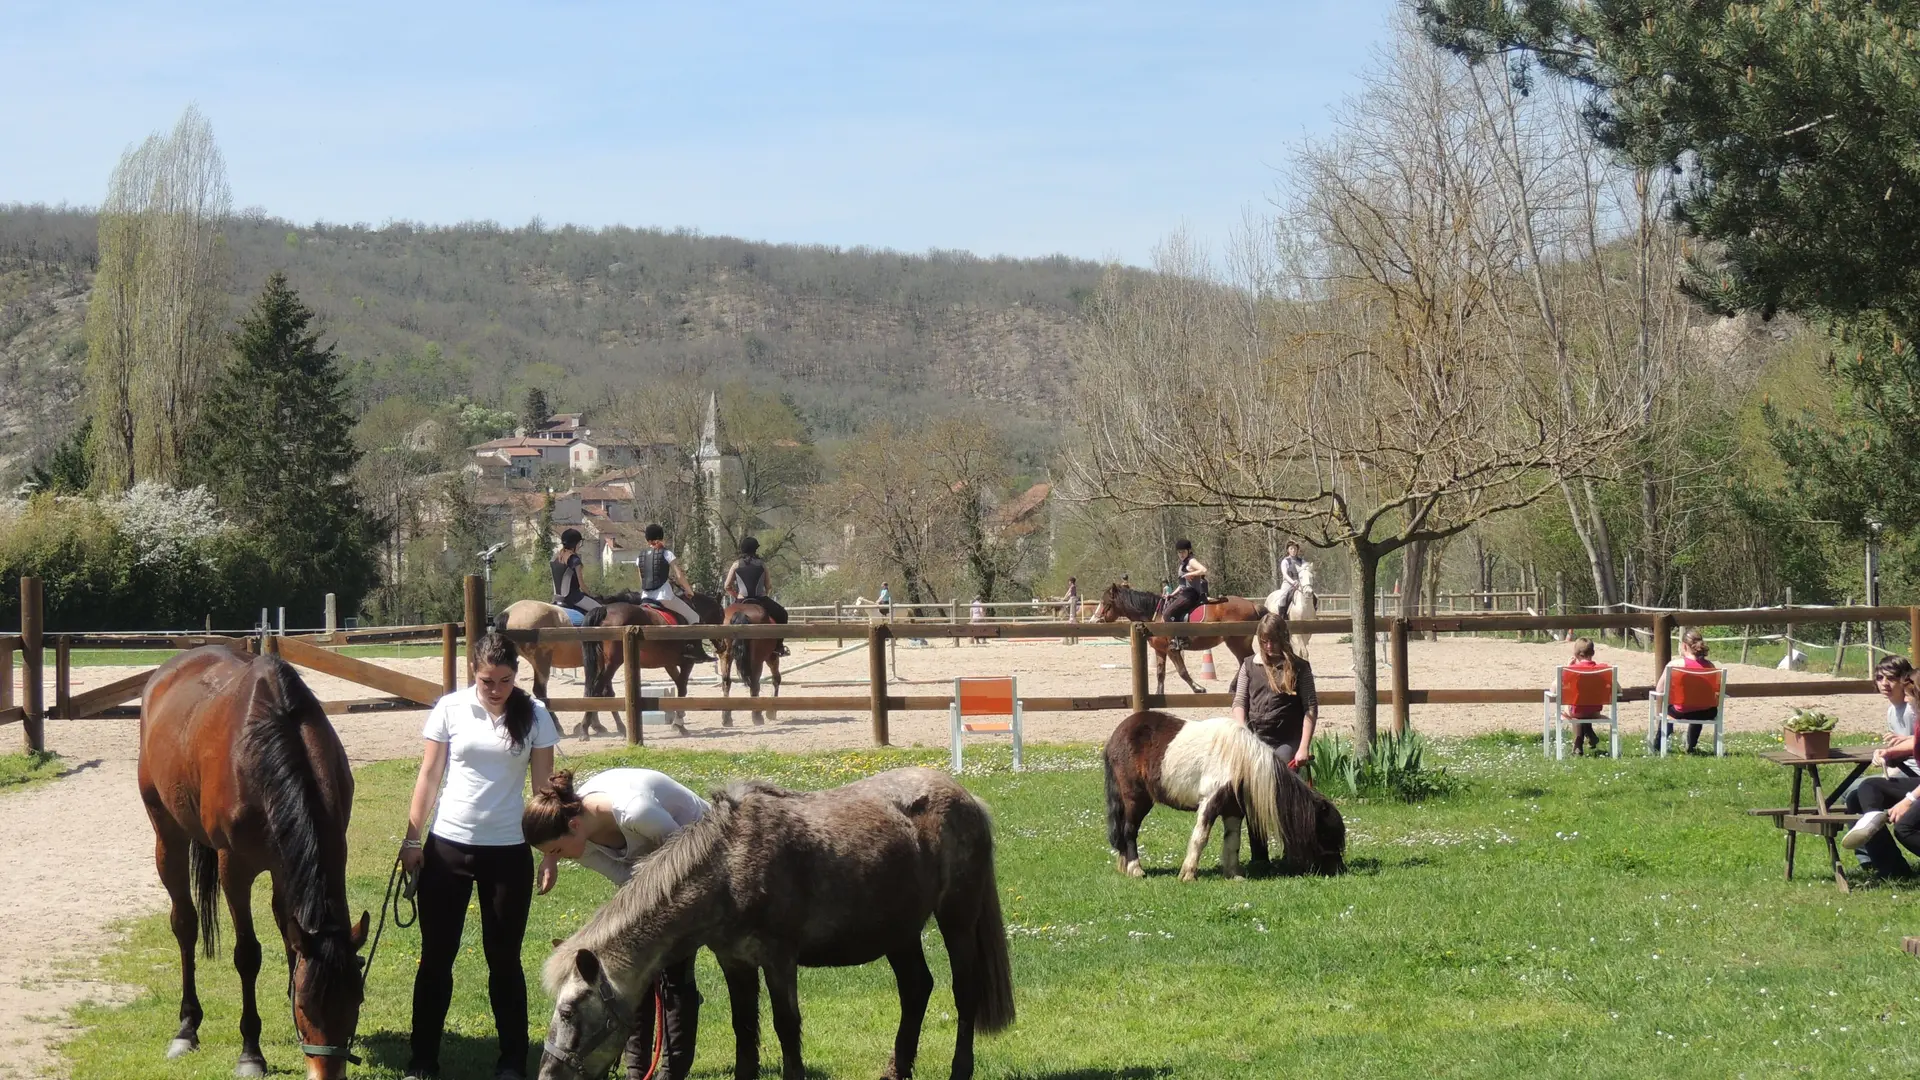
1304 605
1206 764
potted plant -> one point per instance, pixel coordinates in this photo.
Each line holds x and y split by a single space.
1809 732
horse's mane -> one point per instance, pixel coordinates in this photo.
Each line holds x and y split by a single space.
609 931
1132 601
283 771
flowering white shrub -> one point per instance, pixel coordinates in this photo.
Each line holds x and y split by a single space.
165 523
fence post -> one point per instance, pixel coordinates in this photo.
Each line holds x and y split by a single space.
840 641
877 635
1788 639
1397 648
1662 642
6 673
449 649
476 615
636 714
1137 650
332 616
1913 634
956 619
33 666
270 644
1840 647
63 676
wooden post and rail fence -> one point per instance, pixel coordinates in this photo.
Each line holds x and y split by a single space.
317 652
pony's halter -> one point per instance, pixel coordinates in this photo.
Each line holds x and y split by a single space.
575 1059
321 1050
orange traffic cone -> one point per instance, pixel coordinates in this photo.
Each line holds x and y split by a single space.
1206 666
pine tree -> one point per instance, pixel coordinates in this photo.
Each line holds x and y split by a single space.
534 411
273 443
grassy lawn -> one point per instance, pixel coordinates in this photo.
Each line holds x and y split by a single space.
19 770
1585 918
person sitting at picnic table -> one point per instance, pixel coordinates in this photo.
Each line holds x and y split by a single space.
1584 715
1274 697
1693 657
1883 801
1893 677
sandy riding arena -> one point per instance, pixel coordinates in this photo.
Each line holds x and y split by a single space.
78 859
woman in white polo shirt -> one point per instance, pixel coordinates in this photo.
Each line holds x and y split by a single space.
607 824
483 743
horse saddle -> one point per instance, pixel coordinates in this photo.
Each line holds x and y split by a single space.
673 617
1199 613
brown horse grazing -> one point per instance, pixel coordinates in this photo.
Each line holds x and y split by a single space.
676 658
1222 770
1133 605
545 656
241 773
750 656
781 880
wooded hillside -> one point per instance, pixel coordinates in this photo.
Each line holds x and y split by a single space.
488 312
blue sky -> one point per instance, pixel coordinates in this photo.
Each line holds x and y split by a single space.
1018 128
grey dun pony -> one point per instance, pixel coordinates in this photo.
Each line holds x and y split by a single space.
776 880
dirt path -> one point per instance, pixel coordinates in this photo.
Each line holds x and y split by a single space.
65 903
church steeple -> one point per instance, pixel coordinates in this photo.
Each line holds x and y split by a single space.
707 461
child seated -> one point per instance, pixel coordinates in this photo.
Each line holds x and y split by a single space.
1583 733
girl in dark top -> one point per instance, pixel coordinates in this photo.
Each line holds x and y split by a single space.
569 591
1273 695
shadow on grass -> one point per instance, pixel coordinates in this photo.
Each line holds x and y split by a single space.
460 1055
1129 1073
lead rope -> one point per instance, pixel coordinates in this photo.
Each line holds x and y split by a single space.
659 1024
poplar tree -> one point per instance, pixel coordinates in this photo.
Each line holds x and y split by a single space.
1797 128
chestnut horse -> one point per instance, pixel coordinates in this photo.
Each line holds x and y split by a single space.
1223 771
1133 605
242 773
748 655
628 609
545 656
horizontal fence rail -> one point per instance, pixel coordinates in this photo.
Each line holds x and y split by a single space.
317 651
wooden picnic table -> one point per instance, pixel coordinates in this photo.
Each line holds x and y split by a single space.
1818 817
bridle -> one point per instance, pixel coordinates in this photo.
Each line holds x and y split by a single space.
399 890
575 1059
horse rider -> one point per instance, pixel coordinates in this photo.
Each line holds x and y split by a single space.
1191 592
747 580
568 593
1290 568
660 574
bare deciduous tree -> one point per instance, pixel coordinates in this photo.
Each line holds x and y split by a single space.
1389 398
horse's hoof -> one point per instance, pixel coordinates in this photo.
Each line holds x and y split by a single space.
181 1048
251 1067
1189 875
1134 870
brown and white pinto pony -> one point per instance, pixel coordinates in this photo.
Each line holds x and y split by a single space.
1224 771
242 774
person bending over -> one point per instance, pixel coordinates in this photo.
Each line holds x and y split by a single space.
608 824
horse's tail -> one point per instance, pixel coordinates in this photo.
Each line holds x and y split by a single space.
204 864
741 657
991 963
1116 808
590 653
